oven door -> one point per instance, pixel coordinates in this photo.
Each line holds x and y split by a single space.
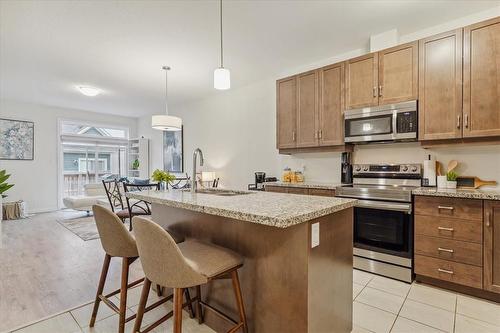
385 227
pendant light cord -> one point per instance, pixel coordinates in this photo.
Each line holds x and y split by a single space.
221 45
166 69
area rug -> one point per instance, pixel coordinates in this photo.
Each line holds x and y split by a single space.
83 227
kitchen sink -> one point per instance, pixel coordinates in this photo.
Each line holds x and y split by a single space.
224 193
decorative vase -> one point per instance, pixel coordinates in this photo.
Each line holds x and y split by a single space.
451 184
163 186
442 182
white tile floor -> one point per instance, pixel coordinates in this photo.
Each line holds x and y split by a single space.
380 305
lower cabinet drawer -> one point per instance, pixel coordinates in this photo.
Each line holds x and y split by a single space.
446 270
322 192
462 252
451 228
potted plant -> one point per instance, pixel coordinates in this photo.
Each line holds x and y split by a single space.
135 164
4 186
451 179
162 177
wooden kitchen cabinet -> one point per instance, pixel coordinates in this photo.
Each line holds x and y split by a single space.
307 113
361 81
491 246
286 112
440 86
331 105
398 74
481 100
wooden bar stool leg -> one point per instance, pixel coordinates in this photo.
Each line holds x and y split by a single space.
199 314
100 288
239 299
123 295
159 290
178 298
142 305
190 303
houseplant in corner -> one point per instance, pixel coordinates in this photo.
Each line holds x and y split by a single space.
162 177
451 179
4 186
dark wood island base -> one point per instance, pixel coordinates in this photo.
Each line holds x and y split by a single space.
288 285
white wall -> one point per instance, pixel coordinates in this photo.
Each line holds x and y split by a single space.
36 181
236 130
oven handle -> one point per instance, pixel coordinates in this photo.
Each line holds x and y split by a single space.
385 205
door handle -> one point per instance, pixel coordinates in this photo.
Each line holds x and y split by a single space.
488 219
316 134
440 249
466 120
293 135
458 121
445 271
446 229
380 91
374 91
320 134
446 207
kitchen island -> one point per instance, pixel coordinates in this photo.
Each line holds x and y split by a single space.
297 249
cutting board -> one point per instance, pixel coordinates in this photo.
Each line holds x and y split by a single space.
473 182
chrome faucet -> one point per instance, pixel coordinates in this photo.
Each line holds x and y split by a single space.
194 184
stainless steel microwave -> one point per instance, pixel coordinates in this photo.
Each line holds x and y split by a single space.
392 122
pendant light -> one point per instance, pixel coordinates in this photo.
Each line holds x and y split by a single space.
164 122
222 76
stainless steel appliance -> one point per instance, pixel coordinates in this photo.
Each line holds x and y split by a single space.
260 178
383 219
385 123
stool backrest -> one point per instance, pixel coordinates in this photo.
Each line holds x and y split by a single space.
112 188
161 258
116 240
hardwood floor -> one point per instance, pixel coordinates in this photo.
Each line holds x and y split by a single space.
46 269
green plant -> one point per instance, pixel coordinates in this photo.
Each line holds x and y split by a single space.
135 164
3 183
451 176
162 176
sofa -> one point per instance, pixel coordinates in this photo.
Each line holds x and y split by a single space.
94 194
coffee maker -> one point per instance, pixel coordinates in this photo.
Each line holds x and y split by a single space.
346 168
260 178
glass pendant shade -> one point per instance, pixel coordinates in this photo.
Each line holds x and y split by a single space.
165 122
222 78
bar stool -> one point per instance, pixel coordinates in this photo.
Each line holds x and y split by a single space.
117 242
189 264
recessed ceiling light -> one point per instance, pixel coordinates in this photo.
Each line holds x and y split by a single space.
89 91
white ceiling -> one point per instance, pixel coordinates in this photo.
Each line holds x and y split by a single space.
49 47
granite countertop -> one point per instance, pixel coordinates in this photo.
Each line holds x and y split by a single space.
272 209
458 193
319 185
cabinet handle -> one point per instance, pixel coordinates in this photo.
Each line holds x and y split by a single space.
320 134
446 207
440 249
458 121
444 271
380 91
446 229
316 135
488 219
374 91
293 135
466 120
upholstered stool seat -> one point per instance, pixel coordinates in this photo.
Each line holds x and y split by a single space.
208 259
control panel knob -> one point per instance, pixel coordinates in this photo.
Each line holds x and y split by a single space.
365 168
414 169
357 168
405 168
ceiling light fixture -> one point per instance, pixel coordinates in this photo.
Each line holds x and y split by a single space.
164 122
222 76
89 91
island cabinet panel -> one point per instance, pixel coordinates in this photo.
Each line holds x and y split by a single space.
492 246
398 74
322 192
440 86
331 105
361 81
482 79
287 284
286 112
307 115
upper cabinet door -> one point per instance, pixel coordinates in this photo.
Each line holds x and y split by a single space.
286 112
307 115
331 105
361 81
398 74
482 79
491 246
440 86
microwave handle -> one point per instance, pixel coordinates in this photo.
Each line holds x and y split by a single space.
395 122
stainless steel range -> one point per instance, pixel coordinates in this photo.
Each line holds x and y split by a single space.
383 219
